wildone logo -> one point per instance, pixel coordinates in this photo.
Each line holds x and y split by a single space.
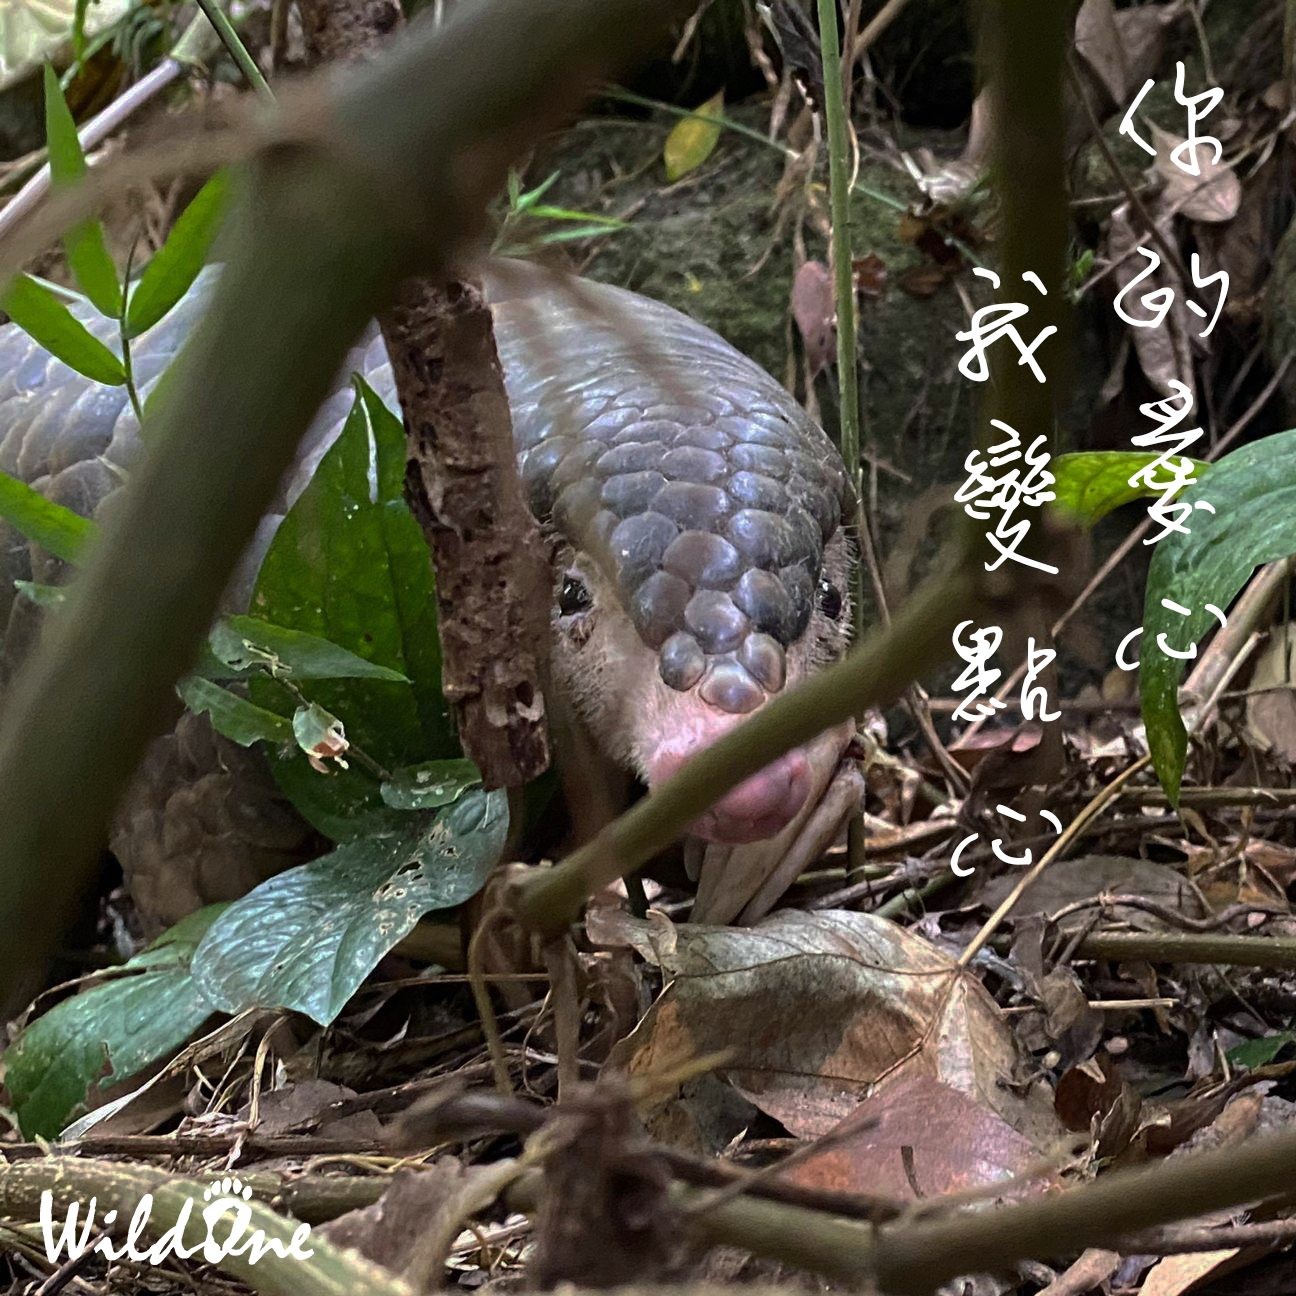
226 1198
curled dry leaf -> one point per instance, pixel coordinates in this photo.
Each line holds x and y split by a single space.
1099 46
917 1138
1173 1275
815 1009
815 311
1212 197
1070 881
1164 352
870 273
410 1229
1122 48
1271 700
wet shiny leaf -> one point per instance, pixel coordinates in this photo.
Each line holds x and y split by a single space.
306 939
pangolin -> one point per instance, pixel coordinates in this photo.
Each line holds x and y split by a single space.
697 519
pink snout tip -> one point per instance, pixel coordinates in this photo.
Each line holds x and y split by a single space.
760 807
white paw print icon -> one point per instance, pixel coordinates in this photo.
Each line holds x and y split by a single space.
230 1187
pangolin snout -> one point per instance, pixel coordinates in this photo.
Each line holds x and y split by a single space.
760 807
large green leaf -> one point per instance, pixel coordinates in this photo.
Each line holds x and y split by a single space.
306 939
1091 484
1253 493
349 563
432 784
238 719
56 529
109 1032
175 265
242 643
44 318
87 253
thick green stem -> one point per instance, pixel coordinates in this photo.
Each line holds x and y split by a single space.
236 49
1185 947
839 185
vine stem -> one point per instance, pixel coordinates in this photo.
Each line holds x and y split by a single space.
237 50
839 187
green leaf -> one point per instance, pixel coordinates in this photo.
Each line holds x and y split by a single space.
78 27
567 214
87 253
1260 1052
318 733
175 265
109 1032
1090 485
522 201
305 940
245 642
238 719
349 563
46 319
432 784
1253 493
43 596
56 529
692 139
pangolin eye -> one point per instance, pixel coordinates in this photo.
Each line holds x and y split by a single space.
574 596
830 600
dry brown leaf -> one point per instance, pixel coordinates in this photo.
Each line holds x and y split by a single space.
870 274
1212 197
814 1009
917 1138
1068 881
1179 1273
1099 45
814 309
411 1227
305 1104
923 280
1122 48
1164 352
1271 715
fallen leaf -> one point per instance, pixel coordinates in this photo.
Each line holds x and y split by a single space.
1098 44
1212 197
814 308
1164 352
1271 699
410 1228
692 139
922 280
814 1009
916 1138
303 1105
870 275
1068 881
1178 1273
1121 48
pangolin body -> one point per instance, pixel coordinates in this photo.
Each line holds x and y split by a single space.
696 518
